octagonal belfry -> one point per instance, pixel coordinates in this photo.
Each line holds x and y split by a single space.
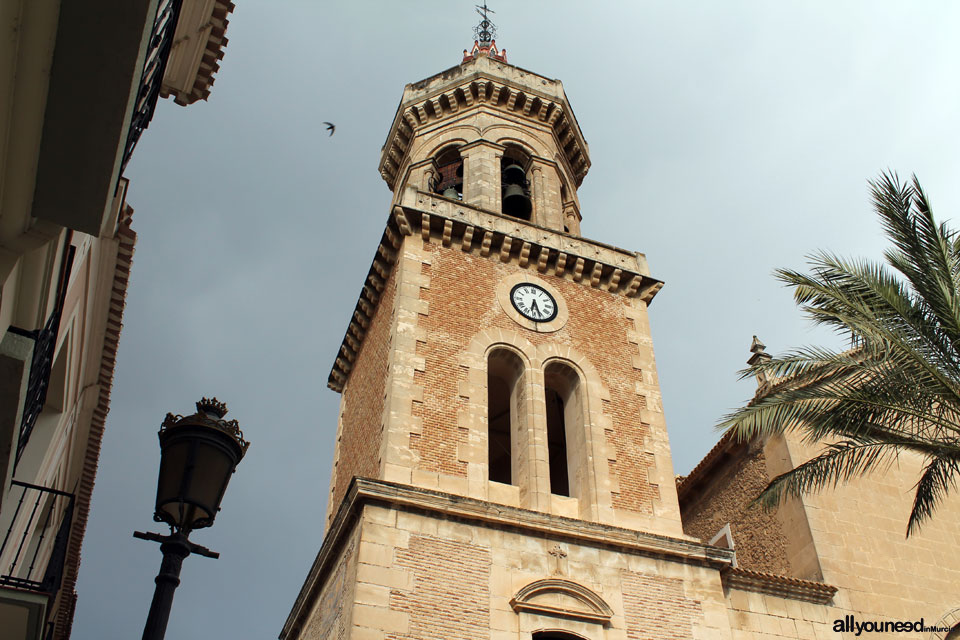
460 129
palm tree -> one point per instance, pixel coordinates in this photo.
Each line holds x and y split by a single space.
897 388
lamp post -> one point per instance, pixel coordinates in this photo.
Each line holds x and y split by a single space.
198 454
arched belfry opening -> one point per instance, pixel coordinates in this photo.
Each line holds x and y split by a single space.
514 184
449 181
566 439
504 412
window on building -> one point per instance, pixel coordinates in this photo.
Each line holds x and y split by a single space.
566 443
504 400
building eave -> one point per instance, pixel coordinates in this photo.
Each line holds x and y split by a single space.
725 449
198 46
777 585
121 277
94 79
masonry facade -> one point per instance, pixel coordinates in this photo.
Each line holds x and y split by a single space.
502 467
81 81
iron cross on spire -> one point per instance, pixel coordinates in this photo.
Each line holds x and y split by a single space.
486 31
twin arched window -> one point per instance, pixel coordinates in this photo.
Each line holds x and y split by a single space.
509 415
447 179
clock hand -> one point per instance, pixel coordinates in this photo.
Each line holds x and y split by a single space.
534 308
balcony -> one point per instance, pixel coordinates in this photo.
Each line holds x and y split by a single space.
158 51
32 556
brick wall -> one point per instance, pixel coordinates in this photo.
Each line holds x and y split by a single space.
655 608
361 406
440 438
462 301
450 594
758 536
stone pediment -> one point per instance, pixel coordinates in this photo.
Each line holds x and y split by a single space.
562 598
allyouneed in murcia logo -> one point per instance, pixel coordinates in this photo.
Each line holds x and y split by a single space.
849 624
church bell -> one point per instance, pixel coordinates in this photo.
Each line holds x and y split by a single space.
516 202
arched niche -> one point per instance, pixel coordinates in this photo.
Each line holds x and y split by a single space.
566 429
562 598
506 413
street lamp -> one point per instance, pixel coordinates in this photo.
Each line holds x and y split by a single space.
198 454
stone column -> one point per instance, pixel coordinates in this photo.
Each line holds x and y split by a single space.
481 174
546 194
530 454
540 213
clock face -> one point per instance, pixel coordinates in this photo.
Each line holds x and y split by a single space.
533 302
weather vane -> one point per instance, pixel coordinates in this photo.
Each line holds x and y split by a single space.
486 31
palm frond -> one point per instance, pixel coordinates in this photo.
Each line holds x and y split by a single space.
837 464
939 477
897 387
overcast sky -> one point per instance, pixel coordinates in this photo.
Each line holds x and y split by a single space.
727 139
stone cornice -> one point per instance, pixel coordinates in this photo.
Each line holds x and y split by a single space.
781 586
365 491
126 239
198 47
494 236
465 90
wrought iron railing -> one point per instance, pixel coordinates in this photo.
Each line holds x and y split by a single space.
45 339
158 50
27 543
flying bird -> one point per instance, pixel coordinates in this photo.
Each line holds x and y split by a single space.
330 127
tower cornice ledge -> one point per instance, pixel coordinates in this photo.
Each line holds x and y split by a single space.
364 491
489 82
494 236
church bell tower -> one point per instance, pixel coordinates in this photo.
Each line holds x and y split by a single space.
502 468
